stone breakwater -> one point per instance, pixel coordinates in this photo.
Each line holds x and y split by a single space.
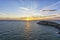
49 23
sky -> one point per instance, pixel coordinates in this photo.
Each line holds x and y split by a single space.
22 8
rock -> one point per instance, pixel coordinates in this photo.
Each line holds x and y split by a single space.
53 24
58 32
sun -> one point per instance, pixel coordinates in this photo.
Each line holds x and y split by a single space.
27 19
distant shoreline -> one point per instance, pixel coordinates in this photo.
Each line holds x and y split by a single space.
31 20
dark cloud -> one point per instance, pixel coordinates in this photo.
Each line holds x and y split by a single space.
49 10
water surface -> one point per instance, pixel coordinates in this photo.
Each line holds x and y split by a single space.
27 30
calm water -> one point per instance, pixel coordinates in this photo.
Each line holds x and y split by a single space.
25 30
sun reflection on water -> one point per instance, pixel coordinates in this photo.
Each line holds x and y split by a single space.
27 31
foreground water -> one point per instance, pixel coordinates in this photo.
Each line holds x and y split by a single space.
27 30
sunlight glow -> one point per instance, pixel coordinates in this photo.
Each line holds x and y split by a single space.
31 11
27 19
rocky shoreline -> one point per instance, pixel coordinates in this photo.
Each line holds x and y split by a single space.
49 23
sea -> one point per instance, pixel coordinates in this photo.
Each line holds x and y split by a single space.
27 30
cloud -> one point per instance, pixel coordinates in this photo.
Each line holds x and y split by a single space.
28 11
51 9
23 8
52 6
